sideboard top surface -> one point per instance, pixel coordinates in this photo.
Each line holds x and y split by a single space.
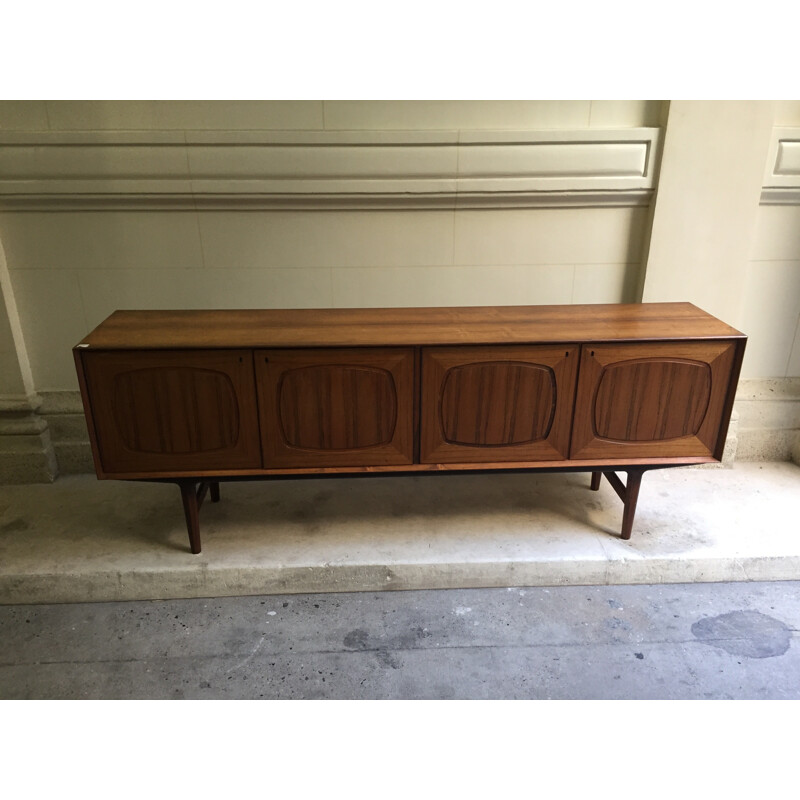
364 327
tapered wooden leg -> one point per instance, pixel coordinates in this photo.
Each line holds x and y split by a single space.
214 486
190 509
596 478
631 496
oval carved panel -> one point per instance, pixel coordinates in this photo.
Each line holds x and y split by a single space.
494 404
175 410
650 400
337 407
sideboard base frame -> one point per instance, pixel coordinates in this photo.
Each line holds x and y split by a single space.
194 490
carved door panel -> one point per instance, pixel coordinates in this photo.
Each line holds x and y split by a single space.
482 404
663 399
336 408
172 411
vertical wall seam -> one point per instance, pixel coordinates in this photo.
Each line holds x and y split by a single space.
16 326
795 341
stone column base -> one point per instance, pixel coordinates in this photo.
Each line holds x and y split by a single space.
26 451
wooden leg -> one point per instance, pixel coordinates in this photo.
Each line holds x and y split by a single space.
596 477
190 509
631 496
214 491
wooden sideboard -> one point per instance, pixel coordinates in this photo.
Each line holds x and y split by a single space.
198 397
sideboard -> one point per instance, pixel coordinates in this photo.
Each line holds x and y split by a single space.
199 397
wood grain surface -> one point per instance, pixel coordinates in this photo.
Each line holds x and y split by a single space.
341 327
651 399
497 403
337 407
165 411
552 465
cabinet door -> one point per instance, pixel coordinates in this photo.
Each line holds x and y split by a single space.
658 399
482 404
336 408
173 411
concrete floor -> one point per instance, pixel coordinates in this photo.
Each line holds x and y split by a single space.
80 539
698 641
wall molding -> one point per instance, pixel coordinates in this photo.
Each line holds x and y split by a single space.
780 197
321 202
782 171
185 170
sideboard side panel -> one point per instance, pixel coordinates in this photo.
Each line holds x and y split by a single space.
87 410
730 396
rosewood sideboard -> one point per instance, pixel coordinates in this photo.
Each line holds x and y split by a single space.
199 397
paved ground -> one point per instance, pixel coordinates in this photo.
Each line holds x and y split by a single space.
699 641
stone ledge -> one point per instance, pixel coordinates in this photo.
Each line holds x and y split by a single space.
765 445
26 450
768 389
74 458
86 540
27 459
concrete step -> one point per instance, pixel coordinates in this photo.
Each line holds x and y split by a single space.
80 539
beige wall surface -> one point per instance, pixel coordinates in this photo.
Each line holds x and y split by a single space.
15 376
70 268
715 240
67 115
709 190
771 289
11 382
